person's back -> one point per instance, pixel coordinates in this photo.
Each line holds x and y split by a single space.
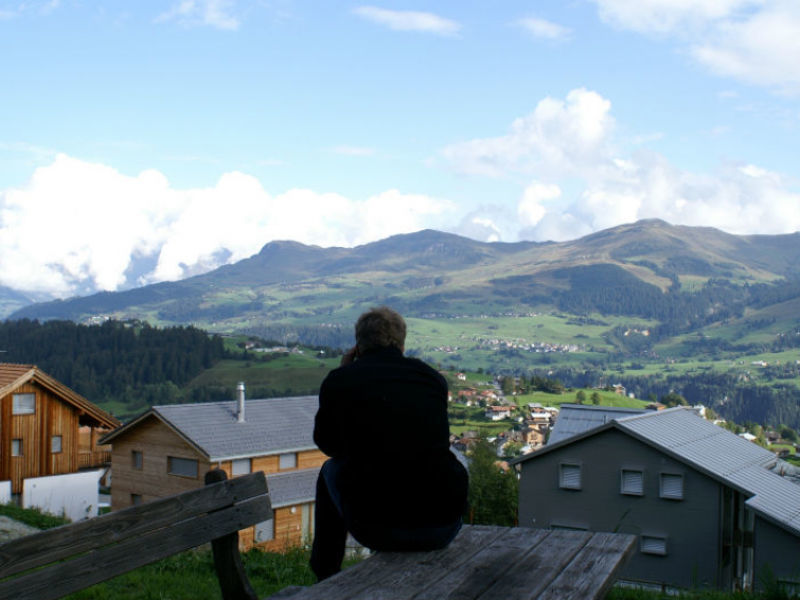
392 479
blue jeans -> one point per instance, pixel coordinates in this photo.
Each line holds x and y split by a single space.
333 520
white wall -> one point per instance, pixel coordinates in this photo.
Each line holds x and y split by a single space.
73 495
5 492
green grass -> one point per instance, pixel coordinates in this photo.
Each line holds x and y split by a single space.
190 575
32 516
293 374
606 399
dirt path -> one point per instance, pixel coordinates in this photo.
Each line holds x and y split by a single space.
11 529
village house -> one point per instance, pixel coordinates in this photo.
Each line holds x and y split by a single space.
46 428
710 509
168 449
496 413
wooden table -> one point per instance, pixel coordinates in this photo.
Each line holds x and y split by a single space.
485 563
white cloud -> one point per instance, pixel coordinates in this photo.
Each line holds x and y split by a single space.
406 20
558 136
763 49
77 226
570 146
667 16
213 13
754 41
544 29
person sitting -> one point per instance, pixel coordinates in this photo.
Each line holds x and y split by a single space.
391 481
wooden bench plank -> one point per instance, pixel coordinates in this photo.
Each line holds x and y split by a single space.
55 544
98 565
485 563
487 566
358 580
593 570
533 571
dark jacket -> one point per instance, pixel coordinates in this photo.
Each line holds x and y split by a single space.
385 415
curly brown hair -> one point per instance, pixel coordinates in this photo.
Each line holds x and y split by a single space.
378 328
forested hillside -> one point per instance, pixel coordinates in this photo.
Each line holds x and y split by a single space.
113 364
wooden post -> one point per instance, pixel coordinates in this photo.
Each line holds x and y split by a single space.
233 581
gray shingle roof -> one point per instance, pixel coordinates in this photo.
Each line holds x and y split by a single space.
725 456
576 418
294 487
271 425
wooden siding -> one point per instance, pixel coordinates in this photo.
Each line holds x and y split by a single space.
156 442
52 417
288 530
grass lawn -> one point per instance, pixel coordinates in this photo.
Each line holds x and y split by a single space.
606 399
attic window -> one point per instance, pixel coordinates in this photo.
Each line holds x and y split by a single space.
631 482
16 447
24 404
671 486
569 476
55 444
137 460
183 467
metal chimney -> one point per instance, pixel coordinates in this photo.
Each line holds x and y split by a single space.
240 397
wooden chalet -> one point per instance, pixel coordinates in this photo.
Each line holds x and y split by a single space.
46 428
169 449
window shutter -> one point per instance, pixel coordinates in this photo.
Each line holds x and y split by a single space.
672 486
570 477
632 482
653 545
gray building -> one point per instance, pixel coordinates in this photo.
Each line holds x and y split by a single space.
710 509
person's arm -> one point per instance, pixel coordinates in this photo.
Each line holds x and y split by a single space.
328 423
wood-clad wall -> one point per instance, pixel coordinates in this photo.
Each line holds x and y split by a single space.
52 417
288 530
156 442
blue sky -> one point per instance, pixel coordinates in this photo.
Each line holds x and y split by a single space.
147 141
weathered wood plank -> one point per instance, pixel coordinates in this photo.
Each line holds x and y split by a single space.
593 570
233 582
428 570
62 542
99 565
488 567
359 580
533 571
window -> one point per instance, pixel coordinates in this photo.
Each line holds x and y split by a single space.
23 404
240 466
136 499
569 476
16 447
671 486
55 444
288 461
265 531
631 482
649 544
137 459
184 467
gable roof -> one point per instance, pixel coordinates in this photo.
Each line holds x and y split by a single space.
271 425
722 455
14 375
577 418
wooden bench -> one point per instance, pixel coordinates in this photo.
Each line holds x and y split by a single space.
59 561
485 563
481 563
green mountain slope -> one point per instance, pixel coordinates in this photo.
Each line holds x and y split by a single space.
684 277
